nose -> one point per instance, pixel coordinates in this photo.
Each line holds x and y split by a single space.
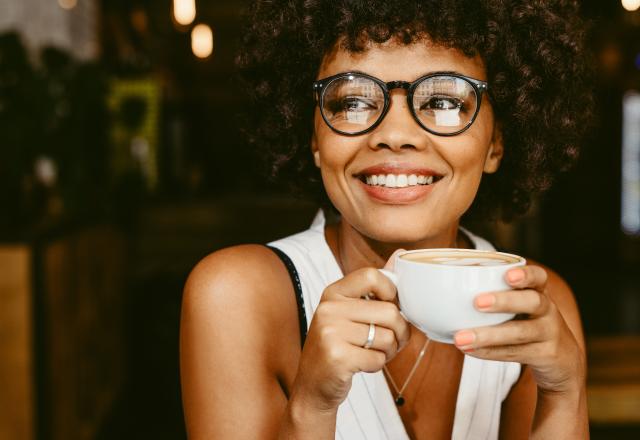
398 129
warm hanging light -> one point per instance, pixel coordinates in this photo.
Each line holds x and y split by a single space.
184 11
631 5
68 4
202 41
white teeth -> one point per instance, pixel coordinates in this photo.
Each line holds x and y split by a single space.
390 181
398 180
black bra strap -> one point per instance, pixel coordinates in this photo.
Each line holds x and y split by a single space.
297 287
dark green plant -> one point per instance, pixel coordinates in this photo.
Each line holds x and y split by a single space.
54 107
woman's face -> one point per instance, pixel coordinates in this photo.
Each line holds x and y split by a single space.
400 146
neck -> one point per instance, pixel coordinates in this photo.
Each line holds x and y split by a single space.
354 250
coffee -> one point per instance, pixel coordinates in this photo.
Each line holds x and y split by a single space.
437 287
461 258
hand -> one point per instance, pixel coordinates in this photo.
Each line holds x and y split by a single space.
538 337
333 351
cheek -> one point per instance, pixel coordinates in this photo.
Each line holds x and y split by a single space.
335 151
466 161
474 145
466 156
335 182
336 154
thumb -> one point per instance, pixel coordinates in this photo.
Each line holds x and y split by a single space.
389 265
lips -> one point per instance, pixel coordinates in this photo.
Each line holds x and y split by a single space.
397 183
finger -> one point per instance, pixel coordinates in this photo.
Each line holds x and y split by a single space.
527 301
381 313
354 359
368 361
506 334
523 353
527 276
384 340
360 283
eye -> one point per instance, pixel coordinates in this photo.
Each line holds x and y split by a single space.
350 104
435 103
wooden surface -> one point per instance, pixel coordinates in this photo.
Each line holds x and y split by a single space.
82 366
16 386
613 384
84 294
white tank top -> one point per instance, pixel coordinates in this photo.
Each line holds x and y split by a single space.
369 411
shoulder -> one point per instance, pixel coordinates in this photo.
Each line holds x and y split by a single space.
235 273
242 291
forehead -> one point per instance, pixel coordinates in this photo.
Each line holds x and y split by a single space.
392 61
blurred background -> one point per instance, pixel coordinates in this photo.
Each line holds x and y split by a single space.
122 164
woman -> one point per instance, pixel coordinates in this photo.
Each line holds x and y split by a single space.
401 116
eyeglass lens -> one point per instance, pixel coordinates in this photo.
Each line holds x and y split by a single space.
442 104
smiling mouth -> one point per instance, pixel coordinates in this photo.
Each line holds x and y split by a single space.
398 180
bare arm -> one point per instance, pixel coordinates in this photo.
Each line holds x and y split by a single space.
231 351
240 350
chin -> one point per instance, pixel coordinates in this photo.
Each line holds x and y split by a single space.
400 232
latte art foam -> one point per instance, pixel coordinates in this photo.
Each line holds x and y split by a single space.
461 258
469 261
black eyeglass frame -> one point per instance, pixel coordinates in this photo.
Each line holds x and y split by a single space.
320 86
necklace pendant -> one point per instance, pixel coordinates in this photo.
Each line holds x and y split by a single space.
399 401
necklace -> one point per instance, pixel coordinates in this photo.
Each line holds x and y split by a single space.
399 398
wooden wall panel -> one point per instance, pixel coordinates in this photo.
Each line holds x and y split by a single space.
84 301
16 359
59 337
613 386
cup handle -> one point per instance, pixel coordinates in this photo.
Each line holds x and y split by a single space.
394 279
392 276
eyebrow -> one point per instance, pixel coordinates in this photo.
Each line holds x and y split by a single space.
433 72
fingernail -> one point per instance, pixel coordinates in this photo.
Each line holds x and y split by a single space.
515 275
485 301
464 338
467 349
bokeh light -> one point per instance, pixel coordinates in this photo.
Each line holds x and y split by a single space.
68 4
631 5
184 11
202 41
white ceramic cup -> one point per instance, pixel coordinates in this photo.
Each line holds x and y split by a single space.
438 297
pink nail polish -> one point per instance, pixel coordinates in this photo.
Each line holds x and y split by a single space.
515 275
485 301
464 338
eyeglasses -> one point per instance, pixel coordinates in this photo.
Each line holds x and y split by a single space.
443 103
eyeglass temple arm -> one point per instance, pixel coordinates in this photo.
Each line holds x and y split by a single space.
316 88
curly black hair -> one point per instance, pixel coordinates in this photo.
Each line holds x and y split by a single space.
537 69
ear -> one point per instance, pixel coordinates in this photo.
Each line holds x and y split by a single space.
496 151
315 150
